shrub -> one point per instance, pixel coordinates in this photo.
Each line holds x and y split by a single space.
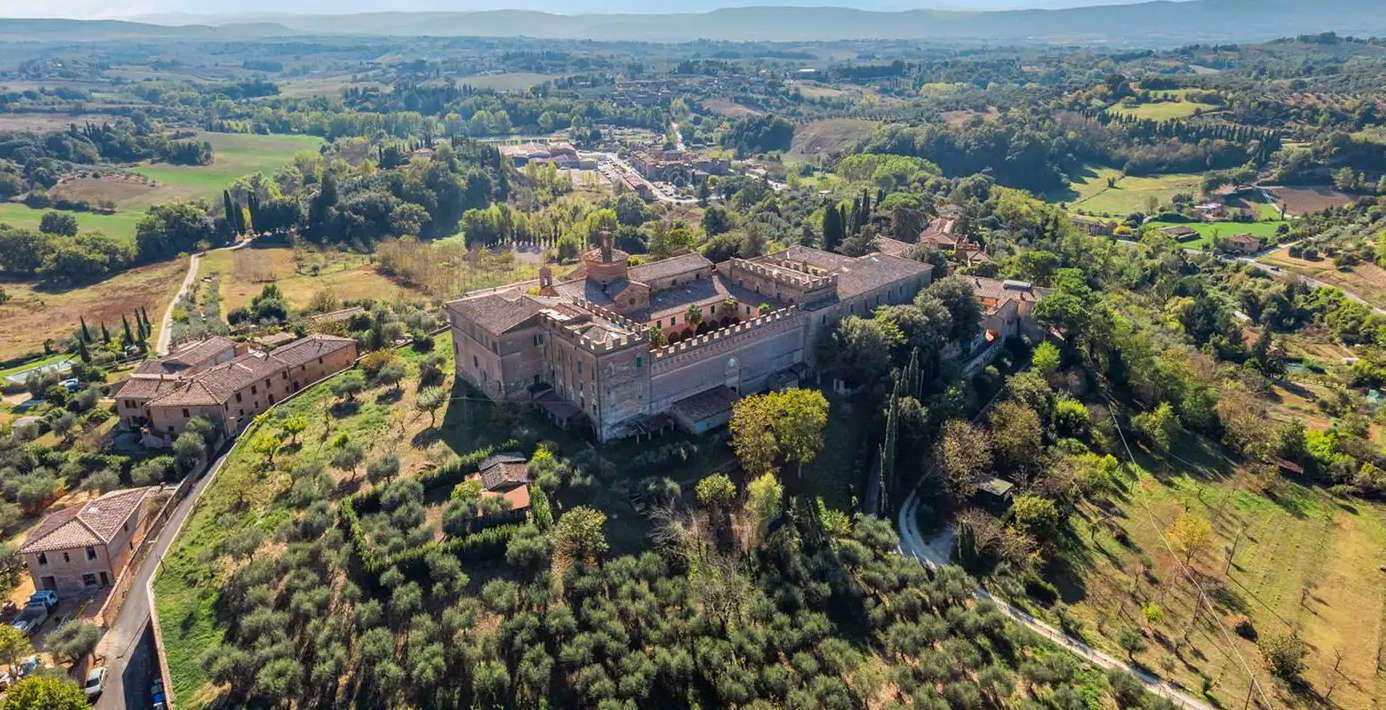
1241 623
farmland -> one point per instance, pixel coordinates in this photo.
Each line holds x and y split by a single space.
1364 279
506 81
243 273
830 136
235 155
1304 199
32 315
1090 193
1209 230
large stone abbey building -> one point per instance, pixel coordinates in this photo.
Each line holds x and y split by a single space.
591 347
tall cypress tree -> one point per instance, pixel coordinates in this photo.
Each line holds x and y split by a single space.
82 351
86 334
129 336
105 333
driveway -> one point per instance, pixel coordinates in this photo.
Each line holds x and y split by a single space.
120 645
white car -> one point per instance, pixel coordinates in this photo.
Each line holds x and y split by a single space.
96 680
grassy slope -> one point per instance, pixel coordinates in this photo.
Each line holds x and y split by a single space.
243 495
235 155
1089 193
1366 280
1304 561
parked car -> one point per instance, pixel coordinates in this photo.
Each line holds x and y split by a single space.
156 695
96 681
47 597
30 618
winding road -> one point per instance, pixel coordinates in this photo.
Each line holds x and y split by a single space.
913 543
162 344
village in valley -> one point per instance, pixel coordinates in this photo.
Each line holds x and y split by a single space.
376 368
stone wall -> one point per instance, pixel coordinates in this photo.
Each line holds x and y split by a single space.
742 357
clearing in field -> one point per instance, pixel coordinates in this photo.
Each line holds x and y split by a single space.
958 119
120 224
32 316
729 108
1365 280
1106 192
1306 199
1304 562
830 136
300 274
1177 107
48 122
1209 230
507 81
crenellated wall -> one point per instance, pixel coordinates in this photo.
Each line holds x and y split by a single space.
671 356
742 357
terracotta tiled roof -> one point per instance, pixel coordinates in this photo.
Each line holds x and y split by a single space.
503 471
666 268
189 357
146 387
1002 291
95 523
310 348
498 312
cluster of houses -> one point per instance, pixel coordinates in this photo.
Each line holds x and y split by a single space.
224 380
560 154
676 166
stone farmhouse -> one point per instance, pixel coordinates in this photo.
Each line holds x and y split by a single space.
630 349
227 381
86 547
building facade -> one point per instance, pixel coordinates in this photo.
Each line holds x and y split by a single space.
226 381
625 349
86 547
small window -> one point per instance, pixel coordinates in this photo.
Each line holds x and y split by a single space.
67 557
252 389
42 558
185 413
639 362
91 552
319 361
238 396
89 580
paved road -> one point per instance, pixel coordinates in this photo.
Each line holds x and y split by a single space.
913 543
1311 282
121 644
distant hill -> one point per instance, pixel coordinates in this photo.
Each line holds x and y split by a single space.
1159 23
90 30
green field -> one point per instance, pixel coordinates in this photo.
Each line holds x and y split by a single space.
120 224
507 81
1164 110
1264 230
234 155
1089 193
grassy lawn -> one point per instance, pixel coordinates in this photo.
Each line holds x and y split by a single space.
1304 561
1208 230
1089 193
33 315
837 472
243 273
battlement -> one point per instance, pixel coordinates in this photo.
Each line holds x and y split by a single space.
615 341
789 273
725 334
607 314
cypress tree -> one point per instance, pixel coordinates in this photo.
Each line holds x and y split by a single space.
86 334
231 212
129 337
105 334
82 351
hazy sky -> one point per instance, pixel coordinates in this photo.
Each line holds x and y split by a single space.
137 8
